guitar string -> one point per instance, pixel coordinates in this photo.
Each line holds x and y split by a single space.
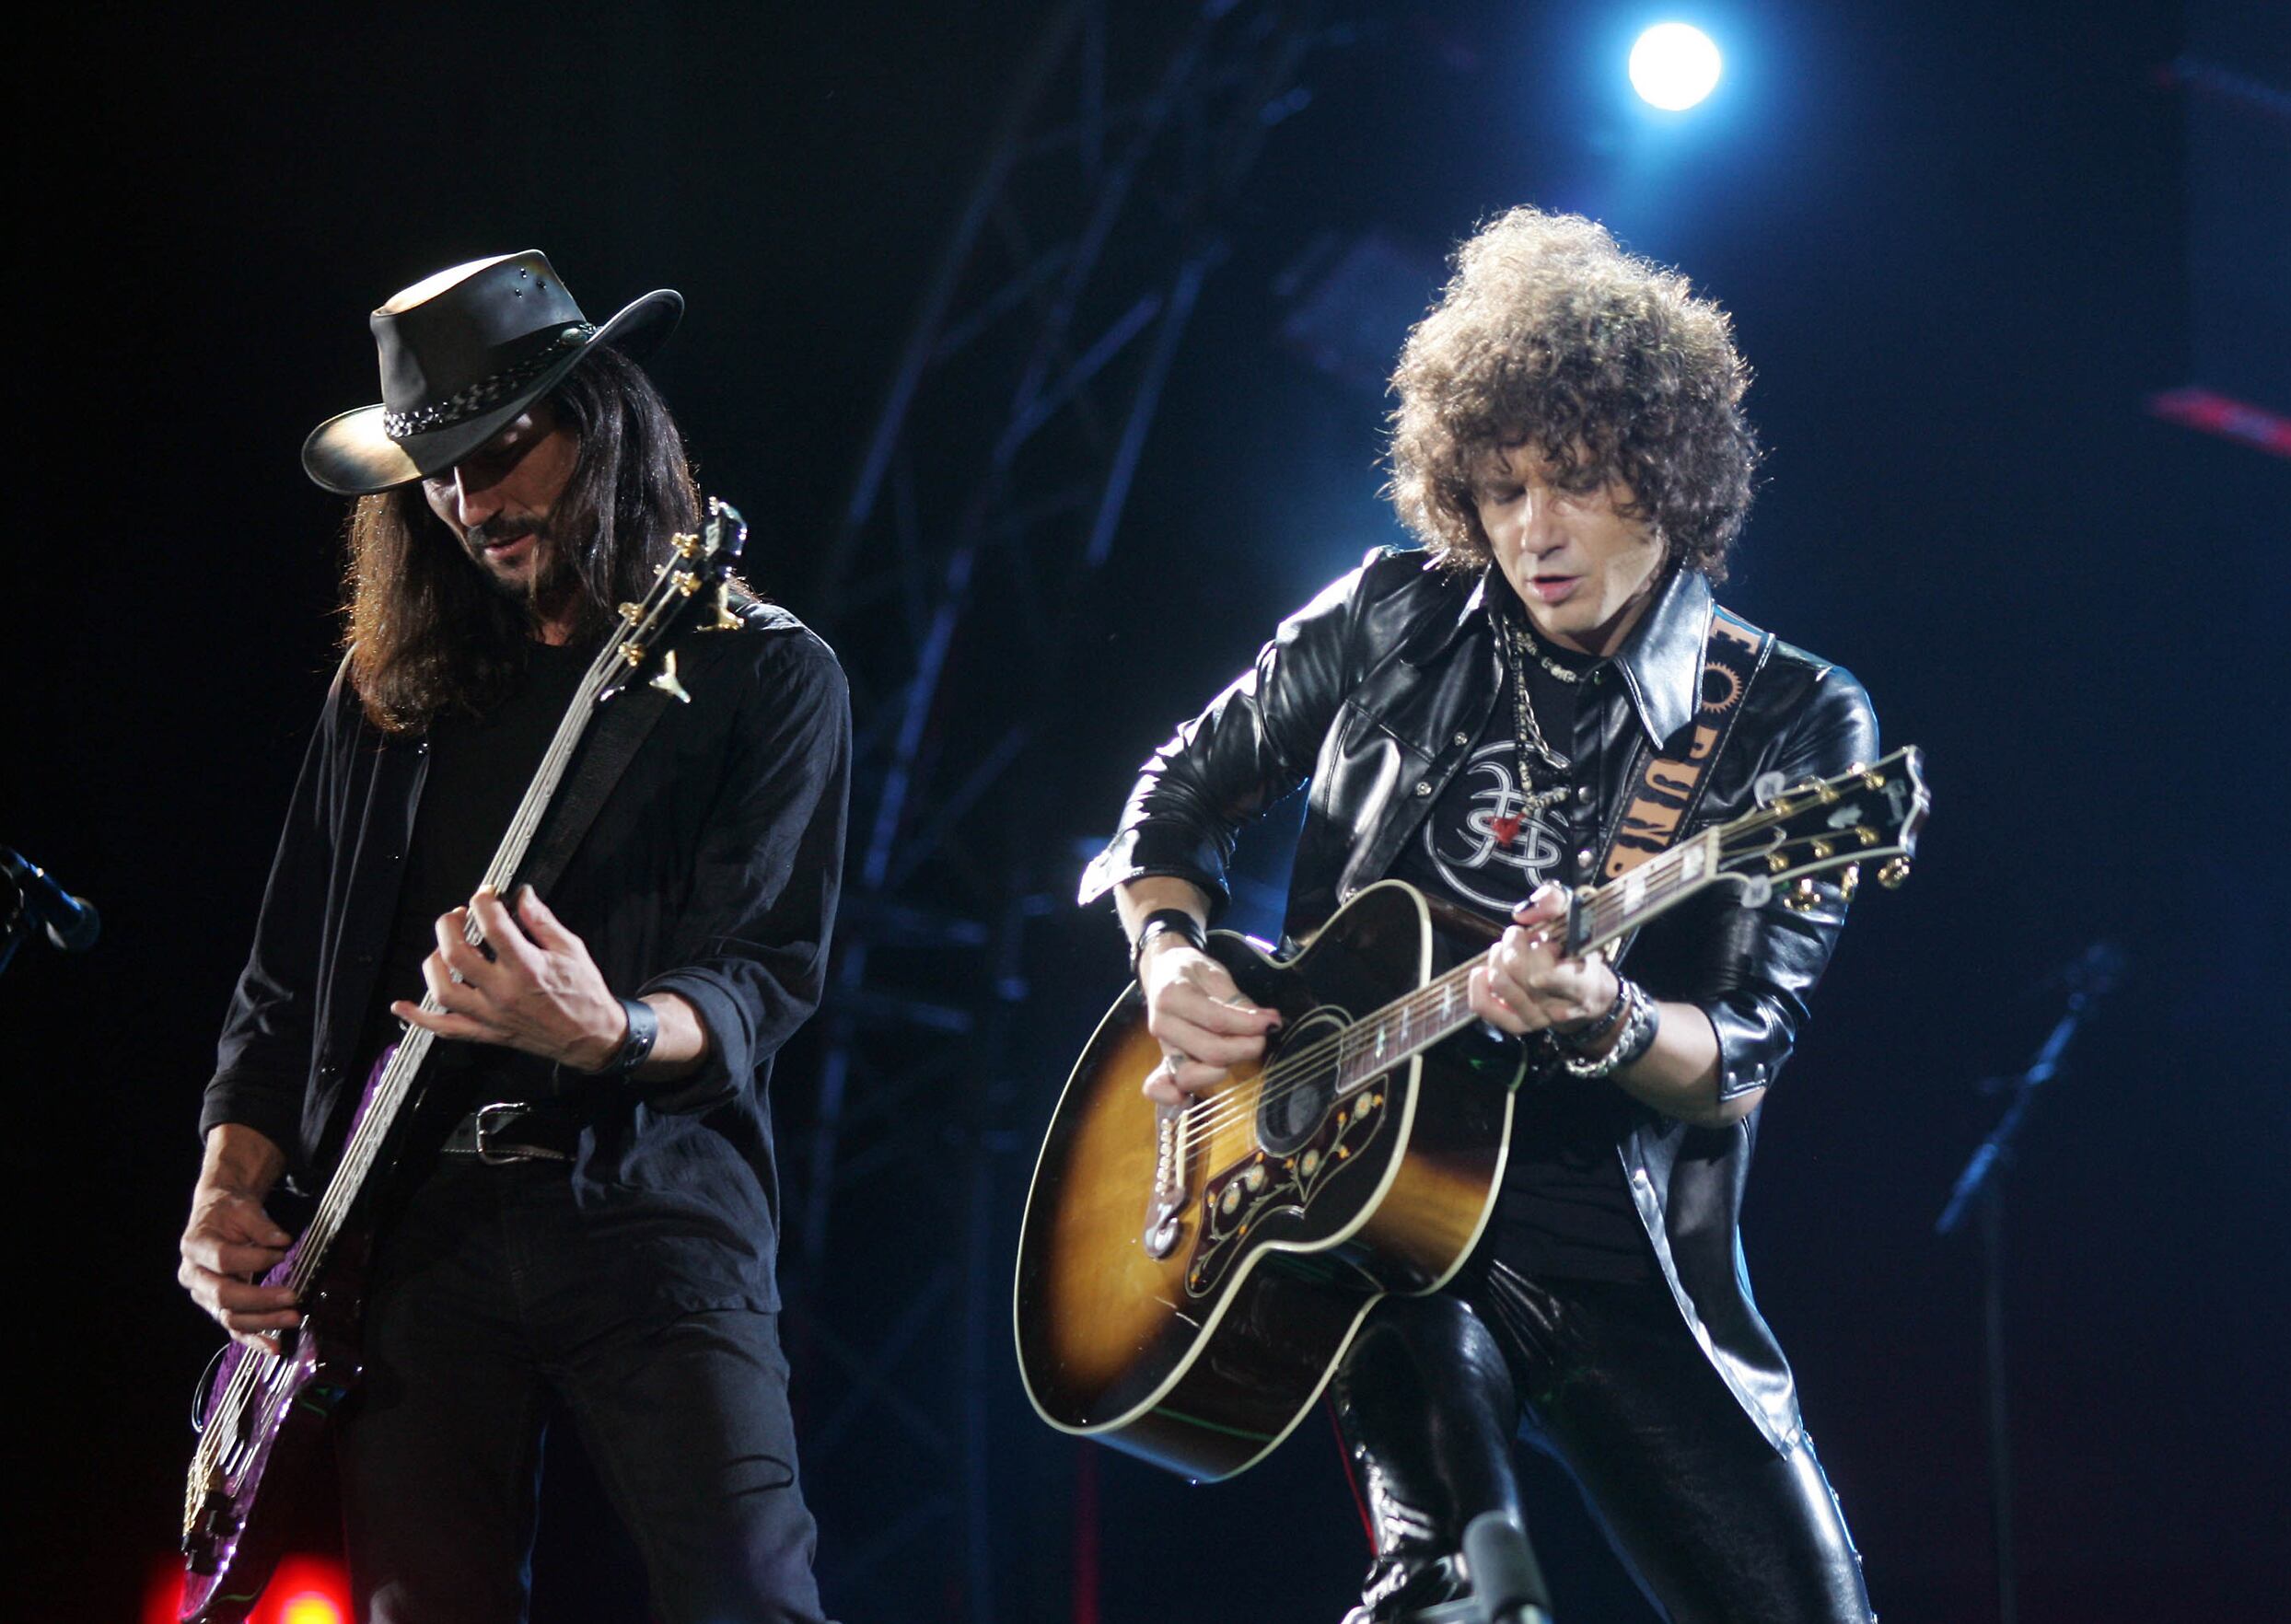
1659 879
342 1190
223 1423
319 1235
1655 881
1307 1064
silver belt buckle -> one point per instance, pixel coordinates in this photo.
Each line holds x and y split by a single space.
485 1153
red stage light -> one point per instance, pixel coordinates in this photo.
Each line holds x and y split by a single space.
306 1589
310 1607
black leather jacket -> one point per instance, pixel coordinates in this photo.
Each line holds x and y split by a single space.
1378 691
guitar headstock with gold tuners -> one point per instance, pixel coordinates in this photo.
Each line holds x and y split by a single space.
1866 815
700 570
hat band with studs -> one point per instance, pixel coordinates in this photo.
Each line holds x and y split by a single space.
486 393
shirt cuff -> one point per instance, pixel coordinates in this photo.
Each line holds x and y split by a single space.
727 1063
1752 1047
259 1103
1150 849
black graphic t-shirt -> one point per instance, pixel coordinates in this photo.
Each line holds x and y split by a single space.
1461 853
1564 1210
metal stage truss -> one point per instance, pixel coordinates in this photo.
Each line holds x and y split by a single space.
990 495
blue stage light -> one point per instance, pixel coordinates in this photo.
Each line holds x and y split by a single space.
1674 67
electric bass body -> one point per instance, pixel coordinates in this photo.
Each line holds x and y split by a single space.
1188 1277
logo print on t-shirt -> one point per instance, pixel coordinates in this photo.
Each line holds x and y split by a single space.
1471 858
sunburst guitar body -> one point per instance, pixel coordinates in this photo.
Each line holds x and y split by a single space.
1189 1276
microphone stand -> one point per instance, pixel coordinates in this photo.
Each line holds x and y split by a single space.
16 919
1982 1182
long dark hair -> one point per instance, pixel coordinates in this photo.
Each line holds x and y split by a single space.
427 633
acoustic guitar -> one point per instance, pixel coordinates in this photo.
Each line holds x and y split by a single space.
1189 1275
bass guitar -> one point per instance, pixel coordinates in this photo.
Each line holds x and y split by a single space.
263 1416
1189 1275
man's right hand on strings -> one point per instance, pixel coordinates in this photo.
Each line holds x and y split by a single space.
230 1242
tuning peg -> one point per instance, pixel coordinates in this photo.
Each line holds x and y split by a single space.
666 679
1802 898
686 546
1894 873
726 621
632 612
1849 881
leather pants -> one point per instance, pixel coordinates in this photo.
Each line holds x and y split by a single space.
1715 1526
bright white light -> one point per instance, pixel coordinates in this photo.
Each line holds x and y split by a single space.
1674 67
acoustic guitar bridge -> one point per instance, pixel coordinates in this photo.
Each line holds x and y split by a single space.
1167 1199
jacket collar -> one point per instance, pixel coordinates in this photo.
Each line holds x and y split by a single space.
1661 663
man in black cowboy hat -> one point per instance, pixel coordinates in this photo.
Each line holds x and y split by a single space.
605 1244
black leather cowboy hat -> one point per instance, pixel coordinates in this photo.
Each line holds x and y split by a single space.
462 352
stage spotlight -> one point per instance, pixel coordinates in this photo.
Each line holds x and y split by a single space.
1674 67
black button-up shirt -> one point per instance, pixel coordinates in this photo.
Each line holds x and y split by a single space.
711 872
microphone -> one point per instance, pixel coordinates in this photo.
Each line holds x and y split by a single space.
1505 1581
72 922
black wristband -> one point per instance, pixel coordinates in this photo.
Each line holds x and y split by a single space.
644 1031
1166 921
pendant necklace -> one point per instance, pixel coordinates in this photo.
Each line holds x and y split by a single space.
1528 734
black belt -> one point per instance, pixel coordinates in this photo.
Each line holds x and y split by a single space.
513 1131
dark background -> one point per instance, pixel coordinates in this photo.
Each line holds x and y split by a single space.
1963 244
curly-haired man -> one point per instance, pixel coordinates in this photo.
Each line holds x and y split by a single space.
1570 447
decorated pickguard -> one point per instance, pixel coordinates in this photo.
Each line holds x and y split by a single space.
1262 1184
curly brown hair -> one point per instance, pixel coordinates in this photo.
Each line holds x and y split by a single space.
1550 334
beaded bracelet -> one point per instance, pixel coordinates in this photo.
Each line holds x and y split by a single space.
1638 1036
1583 1037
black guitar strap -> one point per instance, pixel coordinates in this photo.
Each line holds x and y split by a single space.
1667 788
614 740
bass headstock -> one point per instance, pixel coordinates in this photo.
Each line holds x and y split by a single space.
697 577
1866 815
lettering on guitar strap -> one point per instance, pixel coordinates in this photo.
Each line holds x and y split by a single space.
1670 784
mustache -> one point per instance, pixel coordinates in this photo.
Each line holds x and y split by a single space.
503 529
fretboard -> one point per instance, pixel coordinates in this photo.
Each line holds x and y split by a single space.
395 1085
1440 1008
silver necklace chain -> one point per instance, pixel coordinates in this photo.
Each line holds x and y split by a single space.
1528 733
1542 659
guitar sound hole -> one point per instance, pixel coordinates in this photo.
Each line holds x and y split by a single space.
1300 1083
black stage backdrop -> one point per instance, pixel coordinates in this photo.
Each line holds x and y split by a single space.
1955 237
